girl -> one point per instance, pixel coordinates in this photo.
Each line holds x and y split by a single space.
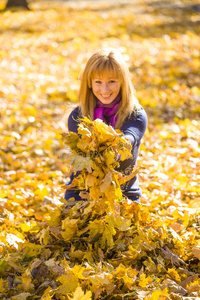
106 92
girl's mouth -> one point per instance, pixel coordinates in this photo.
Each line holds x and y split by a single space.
106 96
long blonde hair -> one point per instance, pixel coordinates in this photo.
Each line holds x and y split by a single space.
100 63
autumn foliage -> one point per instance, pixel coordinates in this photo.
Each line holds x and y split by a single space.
104 247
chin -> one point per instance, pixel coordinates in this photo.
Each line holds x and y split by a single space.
107 101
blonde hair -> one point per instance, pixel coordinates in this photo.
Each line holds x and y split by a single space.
100 63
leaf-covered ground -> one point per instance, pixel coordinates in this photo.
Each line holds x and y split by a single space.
45 250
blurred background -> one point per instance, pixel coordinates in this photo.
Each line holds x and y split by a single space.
44 46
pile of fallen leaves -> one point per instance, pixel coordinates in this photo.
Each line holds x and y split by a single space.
106 247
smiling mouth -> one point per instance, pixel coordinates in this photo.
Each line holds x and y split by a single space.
107 96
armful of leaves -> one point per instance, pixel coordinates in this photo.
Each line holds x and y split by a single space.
96 151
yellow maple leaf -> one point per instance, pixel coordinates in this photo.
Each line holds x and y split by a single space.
27 282
144 280
80 162
69 283
90 180
127 275
120 271
101 131
71 138
78 271
80 295
41 191
109 156
158 295
122 223
174 274
124 179
82 145
85 133
48 294
94 192
106 181
44 236
107 238
96 227
69 227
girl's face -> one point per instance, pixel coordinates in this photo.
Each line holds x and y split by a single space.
106 88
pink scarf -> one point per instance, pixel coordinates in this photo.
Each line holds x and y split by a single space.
107 112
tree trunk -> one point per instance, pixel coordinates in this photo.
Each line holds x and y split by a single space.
17 3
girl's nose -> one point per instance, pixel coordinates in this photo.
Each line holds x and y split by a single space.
105 88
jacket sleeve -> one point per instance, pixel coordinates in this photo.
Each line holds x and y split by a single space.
73 120
135 127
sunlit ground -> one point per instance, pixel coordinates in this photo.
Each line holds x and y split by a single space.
42 53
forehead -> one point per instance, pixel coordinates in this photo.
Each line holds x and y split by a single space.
108 74
104 68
